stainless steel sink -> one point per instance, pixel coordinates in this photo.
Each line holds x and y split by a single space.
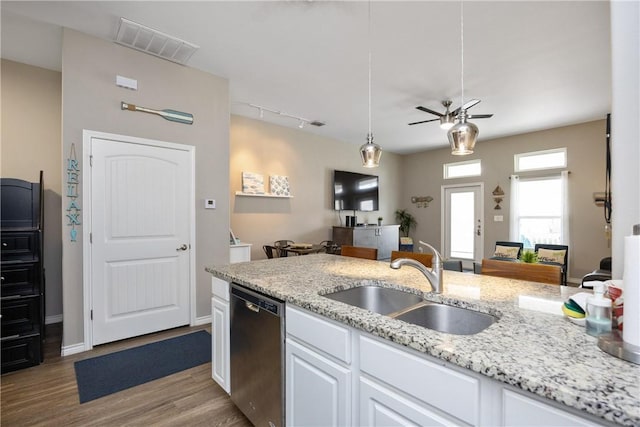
448 319
377 299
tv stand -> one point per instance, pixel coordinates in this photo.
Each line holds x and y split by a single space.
382 237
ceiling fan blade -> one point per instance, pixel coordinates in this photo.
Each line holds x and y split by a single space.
426 110
479 116
424 121
466 106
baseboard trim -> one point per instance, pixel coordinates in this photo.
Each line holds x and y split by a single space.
68 350
205 320
57 318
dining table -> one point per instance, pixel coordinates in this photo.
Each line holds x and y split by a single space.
303 249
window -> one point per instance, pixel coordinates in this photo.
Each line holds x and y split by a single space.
539 210
462 169
538 160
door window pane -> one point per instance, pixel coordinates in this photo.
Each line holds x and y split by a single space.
462 225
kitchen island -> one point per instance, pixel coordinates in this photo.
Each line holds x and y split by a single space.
528 349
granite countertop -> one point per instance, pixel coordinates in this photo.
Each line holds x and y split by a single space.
538 352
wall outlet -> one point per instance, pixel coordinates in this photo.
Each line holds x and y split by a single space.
498 218
209 203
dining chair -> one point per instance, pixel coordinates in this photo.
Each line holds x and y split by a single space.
271 251
543 273
359 252
425 259
330 246
280 244
554 255
452 265
503 250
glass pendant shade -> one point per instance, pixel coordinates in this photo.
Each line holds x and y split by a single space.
462 138
446 121
370 153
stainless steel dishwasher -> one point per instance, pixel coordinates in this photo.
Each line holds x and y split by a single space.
257 356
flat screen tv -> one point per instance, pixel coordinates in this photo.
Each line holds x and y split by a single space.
354 191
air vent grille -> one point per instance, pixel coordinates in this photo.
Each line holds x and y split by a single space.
153 42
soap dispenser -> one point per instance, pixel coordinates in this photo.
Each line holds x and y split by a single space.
598 319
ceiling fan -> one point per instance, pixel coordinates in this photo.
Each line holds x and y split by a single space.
448 118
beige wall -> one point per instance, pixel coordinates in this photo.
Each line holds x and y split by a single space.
308 160
91 100
586 160
31 114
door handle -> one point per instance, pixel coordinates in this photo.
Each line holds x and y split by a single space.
478 232
182 248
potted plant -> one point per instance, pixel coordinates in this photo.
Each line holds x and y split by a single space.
530 257
406 221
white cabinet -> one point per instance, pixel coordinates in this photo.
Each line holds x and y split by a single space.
454 400
384 238
338 375
318 390
380 406
318 376
220 333
520 410
240 252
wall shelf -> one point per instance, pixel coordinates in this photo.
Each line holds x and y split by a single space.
273 196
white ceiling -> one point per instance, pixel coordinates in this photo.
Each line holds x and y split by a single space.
534 65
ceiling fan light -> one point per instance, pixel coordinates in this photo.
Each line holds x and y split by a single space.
462 138
370 153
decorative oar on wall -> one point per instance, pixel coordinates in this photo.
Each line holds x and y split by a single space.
172 115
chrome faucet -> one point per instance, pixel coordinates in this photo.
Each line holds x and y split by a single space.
433 275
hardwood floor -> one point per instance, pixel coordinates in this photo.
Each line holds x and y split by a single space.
47 394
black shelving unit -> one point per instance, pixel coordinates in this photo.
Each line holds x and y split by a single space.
21 273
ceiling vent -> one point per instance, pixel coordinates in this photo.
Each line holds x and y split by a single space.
148 40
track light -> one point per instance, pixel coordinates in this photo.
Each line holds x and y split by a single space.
301 120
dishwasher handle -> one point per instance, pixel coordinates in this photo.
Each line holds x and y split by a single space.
257 302
251 306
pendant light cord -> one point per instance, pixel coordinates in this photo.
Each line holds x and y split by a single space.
369 47
462 54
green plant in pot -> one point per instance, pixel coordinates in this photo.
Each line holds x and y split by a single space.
530 257
406 221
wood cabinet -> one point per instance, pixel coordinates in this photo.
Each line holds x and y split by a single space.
220 334
22 278
520 410
384 238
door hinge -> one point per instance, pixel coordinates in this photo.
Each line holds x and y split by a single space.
90 237
91 160
91 314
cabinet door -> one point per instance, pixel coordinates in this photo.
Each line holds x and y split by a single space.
220 343
380 406
519 410
318 391
365 237
388 238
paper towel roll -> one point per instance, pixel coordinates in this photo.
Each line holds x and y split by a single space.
631 279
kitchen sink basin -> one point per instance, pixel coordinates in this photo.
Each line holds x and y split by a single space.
448 319
377 299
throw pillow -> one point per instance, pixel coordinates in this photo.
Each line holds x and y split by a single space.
506 252
551 255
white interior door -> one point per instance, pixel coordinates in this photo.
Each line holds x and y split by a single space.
140 238
462 223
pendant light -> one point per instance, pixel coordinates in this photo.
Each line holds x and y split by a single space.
462 136
370 152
